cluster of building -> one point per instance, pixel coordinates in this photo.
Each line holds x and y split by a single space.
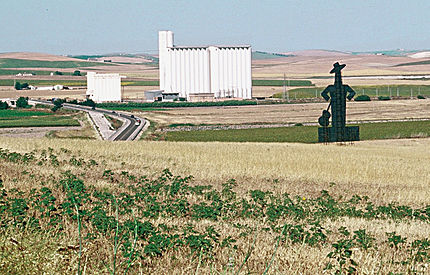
193 73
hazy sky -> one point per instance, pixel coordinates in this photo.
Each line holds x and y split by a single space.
106 26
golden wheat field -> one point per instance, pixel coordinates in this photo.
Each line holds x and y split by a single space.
393 174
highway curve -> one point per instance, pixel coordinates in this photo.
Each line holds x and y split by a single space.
128 132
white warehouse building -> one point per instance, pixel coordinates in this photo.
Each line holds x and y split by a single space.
214 71
103 87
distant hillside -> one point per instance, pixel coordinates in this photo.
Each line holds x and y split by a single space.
399 52
36 56
41 60
258 55
121 58
317 53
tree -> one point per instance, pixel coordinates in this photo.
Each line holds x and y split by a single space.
58 73
3 105
17 86
89 102
22 102
24 86
77 73
58 103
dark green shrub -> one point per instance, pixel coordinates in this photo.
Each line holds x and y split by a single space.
421 97
88 102
77 73
362 98
58 73
18 86
3 105
22 102
58 103
381 97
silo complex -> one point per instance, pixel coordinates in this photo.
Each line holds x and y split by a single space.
215 71
103 87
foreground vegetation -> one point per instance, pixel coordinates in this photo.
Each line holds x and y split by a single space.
70 208
305 134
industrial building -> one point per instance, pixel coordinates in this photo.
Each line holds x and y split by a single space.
103 87
204 72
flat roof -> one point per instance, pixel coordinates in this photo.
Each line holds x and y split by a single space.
205 47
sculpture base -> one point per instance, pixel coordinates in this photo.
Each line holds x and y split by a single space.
327 134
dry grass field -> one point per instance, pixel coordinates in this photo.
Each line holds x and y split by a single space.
287 113
392 174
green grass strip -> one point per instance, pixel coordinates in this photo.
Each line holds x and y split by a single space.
13 113
374 90
303 134
280 83
54 121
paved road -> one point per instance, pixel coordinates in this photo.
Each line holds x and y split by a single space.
128 131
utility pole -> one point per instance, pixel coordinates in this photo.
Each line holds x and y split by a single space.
285 89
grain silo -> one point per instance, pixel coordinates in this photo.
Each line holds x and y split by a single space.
204 71
103 87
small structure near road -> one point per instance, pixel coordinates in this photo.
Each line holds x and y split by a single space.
103 87
337 94
159 95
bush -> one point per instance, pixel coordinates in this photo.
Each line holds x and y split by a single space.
42 106
22 102
384 97
17 86
77 73
3 105
88 102
362 98
73 101
421 97
58 73
58 103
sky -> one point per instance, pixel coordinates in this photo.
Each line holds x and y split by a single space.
131 26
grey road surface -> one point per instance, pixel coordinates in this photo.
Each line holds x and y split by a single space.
128 131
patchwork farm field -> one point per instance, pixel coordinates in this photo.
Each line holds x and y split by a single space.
305 134
35 118
230 208
288 113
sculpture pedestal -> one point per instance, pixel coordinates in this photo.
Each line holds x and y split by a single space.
328 134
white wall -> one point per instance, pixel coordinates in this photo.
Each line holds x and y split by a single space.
103 87
222 71
165 40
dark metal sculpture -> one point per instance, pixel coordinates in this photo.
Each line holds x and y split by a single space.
337 94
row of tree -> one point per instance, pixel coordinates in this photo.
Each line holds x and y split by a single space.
21 102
